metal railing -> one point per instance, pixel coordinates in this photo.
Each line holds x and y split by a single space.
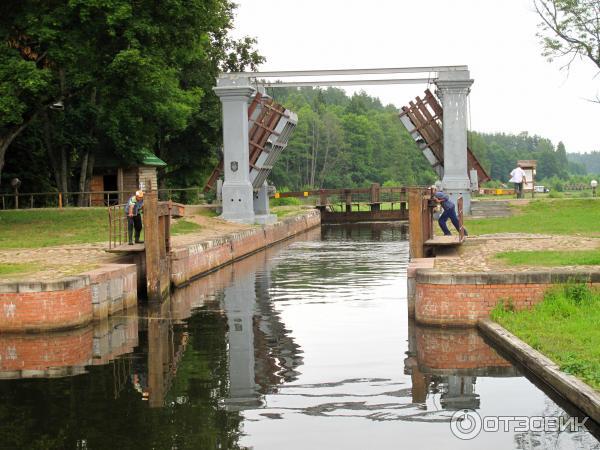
57 199
117 226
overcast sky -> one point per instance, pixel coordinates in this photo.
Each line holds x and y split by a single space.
515 88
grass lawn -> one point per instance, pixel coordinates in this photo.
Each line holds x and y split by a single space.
183 226
286 211
576 216
551 258
35 228
8 269
46 227
564 327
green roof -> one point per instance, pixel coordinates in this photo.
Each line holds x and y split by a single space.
150 159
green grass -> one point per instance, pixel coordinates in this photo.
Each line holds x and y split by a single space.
46 227
285 201
564 327
286 211
551 258
36 228
16 269
566 216
183 226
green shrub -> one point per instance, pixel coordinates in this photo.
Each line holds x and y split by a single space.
285 201
556 194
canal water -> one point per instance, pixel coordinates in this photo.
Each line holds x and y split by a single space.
306 345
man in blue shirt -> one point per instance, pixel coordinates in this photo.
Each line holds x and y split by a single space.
133 211
449 213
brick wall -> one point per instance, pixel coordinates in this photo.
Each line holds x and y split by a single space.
461 299
44 306
196 259
68 302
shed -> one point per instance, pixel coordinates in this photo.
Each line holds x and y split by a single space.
529 166
114 180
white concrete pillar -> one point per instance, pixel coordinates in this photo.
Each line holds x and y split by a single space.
261 206
453 88
237 194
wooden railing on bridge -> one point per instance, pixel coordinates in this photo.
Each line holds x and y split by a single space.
344 205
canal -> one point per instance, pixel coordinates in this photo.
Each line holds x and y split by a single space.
305 345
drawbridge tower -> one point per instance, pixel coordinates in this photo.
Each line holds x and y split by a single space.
245 197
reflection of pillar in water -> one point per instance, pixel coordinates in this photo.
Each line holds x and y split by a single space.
239 300
376 232
460 393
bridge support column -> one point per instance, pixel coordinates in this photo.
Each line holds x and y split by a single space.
237 193
453 88
261 206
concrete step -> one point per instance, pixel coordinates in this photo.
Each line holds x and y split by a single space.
485 209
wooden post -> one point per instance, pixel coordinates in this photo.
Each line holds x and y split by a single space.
375 197
60 200
322 198
152 246
348 201
415 222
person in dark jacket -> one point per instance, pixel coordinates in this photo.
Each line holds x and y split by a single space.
449 213
133 211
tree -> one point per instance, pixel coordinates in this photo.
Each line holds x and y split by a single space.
570 28
133 77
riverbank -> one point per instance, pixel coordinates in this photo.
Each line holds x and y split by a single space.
66 302
514 269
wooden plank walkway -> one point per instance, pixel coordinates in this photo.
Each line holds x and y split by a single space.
126 248
444 241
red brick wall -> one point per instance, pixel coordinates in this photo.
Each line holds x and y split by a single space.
199 258
464 304
21 311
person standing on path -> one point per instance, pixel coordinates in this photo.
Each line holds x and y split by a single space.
449 213
133 211
517 176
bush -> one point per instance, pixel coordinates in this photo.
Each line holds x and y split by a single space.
555 194
285 201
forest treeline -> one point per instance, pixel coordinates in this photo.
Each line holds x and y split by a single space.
351 141
84 81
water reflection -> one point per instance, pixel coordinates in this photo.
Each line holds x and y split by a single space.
304 345
444 364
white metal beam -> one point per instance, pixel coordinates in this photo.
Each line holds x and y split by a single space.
328 72
344 82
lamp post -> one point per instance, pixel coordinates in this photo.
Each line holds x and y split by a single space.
15 183
594 185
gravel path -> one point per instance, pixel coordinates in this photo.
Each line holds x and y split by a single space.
477 253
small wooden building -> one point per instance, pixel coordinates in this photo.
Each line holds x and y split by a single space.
114 181
529 166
